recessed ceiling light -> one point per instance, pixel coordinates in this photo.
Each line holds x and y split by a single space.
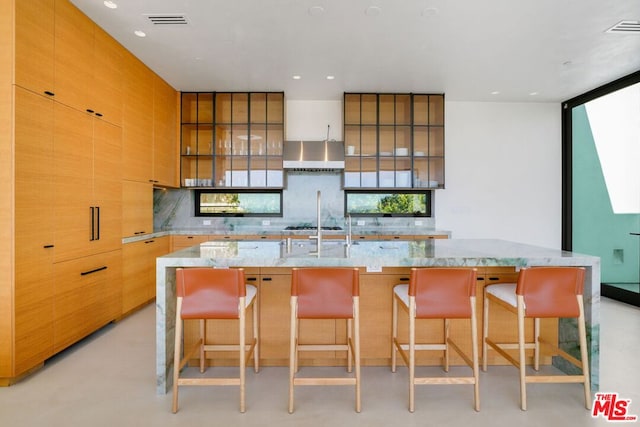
297 77
331 77
316 10
495 92
430 11
372 11
110 4
140 33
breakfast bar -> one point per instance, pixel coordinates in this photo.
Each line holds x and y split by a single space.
376 260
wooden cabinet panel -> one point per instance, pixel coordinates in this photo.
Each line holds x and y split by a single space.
106 79
165 134
33 291
34 45
73 169
137 208
87 296
275 309
183 242
137 120
139 271
86 162
107 185
73 55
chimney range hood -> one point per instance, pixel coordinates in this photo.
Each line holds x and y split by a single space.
313 155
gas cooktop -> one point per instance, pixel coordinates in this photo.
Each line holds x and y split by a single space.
311 227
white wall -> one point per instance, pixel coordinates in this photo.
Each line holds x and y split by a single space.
503 172
503 166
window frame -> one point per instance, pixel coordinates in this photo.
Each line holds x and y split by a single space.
197 207
428 195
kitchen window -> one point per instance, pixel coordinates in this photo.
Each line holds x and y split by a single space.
238 203
388 203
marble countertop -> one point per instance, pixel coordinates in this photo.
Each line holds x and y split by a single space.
373 253
280 232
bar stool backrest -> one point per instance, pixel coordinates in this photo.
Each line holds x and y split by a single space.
551 291
442 292
325 293
209 293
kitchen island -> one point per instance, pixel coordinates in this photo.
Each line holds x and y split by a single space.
373 258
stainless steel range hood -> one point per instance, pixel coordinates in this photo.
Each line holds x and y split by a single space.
313 155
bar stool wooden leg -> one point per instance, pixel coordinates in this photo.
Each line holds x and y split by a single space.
203 342
349 345
521 353
474 355
356 323
242 347
485 331
584 354
446 345
412 354
293 350
176 355
394 333
256 338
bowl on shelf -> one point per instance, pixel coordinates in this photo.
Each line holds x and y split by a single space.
419 154
402 151
385 153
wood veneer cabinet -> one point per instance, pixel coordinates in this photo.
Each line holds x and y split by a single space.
398 140
137 208
87 296
88 209
34 45
139 271
34 230
150 124
57 162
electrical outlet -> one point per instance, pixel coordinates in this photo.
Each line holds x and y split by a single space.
206 222
266 222
360 222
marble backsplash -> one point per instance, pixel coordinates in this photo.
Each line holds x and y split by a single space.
174 210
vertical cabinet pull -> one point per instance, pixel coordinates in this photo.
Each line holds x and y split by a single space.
95 223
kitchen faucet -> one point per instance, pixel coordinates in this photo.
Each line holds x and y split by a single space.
318 235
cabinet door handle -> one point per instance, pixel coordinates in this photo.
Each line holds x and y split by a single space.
84 273
266 279
494 278
93 223
99 114
251 279
89 110
47 246
404 279
48 92
149 241
97 222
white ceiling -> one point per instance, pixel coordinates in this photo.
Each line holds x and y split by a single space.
466 49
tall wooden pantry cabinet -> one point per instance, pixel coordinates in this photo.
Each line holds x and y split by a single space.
63 128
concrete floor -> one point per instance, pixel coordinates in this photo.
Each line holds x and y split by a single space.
109 380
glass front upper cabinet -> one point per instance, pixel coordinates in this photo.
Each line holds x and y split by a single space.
232 139
394 140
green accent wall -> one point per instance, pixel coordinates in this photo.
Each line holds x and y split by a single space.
596 229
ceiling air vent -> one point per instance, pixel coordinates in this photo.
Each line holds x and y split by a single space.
625 27
168 19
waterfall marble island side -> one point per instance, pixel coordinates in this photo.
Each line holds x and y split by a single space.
373 258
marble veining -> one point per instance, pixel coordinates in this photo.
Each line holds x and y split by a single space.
372 255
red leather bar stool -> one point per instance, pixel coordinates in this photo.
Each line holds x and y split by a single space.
541 292
325 293
437 293
214 294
